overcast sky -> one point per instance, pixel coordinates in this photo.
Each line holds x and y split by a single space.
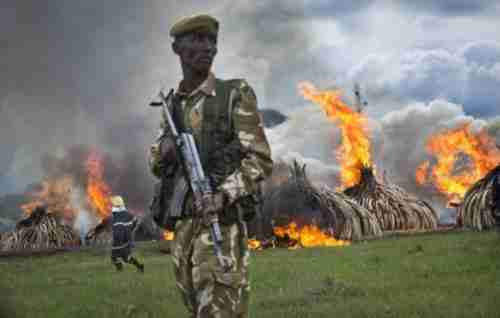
82 72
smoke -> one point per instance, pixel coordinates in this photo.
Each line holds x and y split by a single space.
85 220
80 74
406 131
493 128
398 143
309 137
404 134
86 76
119 172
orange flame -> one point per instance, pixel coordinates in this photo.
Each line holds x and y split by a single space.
307 236
55 195
56 192
448 147
168 235
355 150
421 173
254 244
98 192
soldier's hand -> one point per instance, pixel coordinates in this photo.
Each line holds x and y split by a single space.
210 206
155 150
165 150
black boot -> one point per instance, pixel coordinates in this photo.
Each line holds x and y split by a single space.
119 267
138 265
140 268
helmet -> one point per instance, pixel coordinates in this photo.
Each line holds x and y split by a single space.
117 202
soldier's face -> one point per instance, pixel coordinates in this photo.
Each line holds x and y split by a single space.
197 50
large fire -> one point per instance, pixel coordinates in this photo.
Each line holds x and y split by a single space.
307 235
354 152
296 236
448 148
56 193
254 244
168 235
98 192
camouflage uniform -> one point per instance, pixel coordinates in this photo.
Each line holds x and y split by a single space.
236 156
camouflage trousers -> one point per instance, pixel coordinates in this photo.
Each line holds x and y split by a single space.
206 290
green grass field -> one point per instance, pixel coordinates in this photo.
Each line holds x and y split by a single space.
433 275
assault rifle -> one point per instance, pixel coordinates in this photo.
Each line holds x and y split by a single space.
193 171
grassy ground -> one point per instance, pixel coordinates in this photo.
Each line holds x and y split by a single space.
433 275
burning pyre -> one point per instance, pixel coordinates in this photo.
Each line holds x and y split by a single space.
65 193
462 157
327 215
41 230
476 209
355 150
394 208
74 188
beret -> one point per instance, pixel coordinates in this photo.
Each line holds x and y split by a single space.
195 22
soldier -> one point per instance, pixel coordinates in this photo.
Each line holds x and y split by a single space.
223 117
123 224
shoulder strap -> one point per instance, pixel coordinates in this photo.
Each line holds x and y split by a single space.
234 85
176 111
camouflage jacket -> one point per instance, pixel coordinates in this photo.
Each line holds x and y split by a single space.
233 147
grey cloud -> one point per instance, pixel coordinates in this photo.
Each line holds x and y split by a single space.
323 66
448 7
481 53
82 72
468 77
271 29
335 9
66 71
483 78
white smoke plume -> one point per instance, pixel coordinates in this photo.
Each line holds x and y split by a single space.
398 143
85 220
